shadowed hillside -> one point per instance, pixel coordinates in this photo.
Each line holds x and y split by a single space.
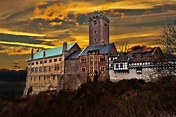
126 98
12 75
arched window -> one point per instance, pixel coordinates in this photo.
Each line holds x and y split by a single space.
45 69
36 69
40 69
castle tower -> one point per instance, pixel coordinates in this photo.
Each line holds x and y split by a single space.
98 30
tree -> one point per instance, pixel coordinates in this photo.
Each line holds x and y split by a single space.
168 38
124 47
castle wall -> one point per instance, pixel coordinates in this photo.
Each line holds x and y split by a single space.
147 74
43 74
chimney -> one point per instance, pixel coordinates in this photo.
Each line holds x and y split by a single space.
44 54
32 53
64 47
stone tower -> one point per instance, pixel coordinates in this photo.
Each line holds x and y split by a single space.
98 30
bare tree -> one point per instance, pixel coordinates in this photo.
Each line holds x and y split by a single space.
124 47
168 38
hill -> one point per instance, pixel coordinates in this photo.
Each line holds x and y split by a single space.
12 75
126 98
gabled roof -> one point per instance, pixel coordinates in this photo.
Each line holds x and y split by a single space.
51 52
103 49
74 55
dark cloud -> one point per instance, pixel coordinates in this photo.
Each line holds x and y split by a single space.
19 38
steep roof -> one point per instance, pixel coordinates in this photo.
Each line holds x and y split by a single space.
103 49
74 55
51 52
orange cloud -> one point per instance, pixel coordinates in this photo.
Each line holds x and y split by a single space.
55 23
7 31
27 44
15 50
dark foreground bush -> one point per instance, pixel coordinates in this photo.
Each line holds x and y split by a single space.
126 98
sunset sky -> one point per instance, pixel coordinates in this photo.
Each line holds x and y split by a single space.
26 24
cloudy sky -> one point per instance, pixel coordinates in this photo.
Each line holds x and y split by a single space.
26 24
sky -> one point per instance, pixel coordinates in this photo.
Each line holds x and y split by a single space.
27 24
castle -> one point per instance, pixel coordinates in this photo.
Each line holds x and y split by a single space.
67 66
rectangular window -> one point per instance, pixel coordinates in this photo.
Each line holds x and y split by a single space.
121 65
56 67
117 65
41 62
72 63
60 59
55 60
102 68
83 69
45 61
91 69
83 60
50 60
102 59
49 69
32 63
36 63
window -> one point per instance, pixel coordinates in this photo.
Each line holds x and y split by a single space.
121 65
40 69
41 62
95 59
32 69
56 67
95 31
111 65
117 65
39 77
45 61
91 59
28 63
72 63
36 69
105 24
102 59
49 68
83 69
45 69
36 63
95 23
60 59
50 60
91 69
102 68
32 63
95 40
83 60
55 60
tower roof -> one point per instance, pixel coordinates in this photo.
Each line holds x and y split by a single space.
98 16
